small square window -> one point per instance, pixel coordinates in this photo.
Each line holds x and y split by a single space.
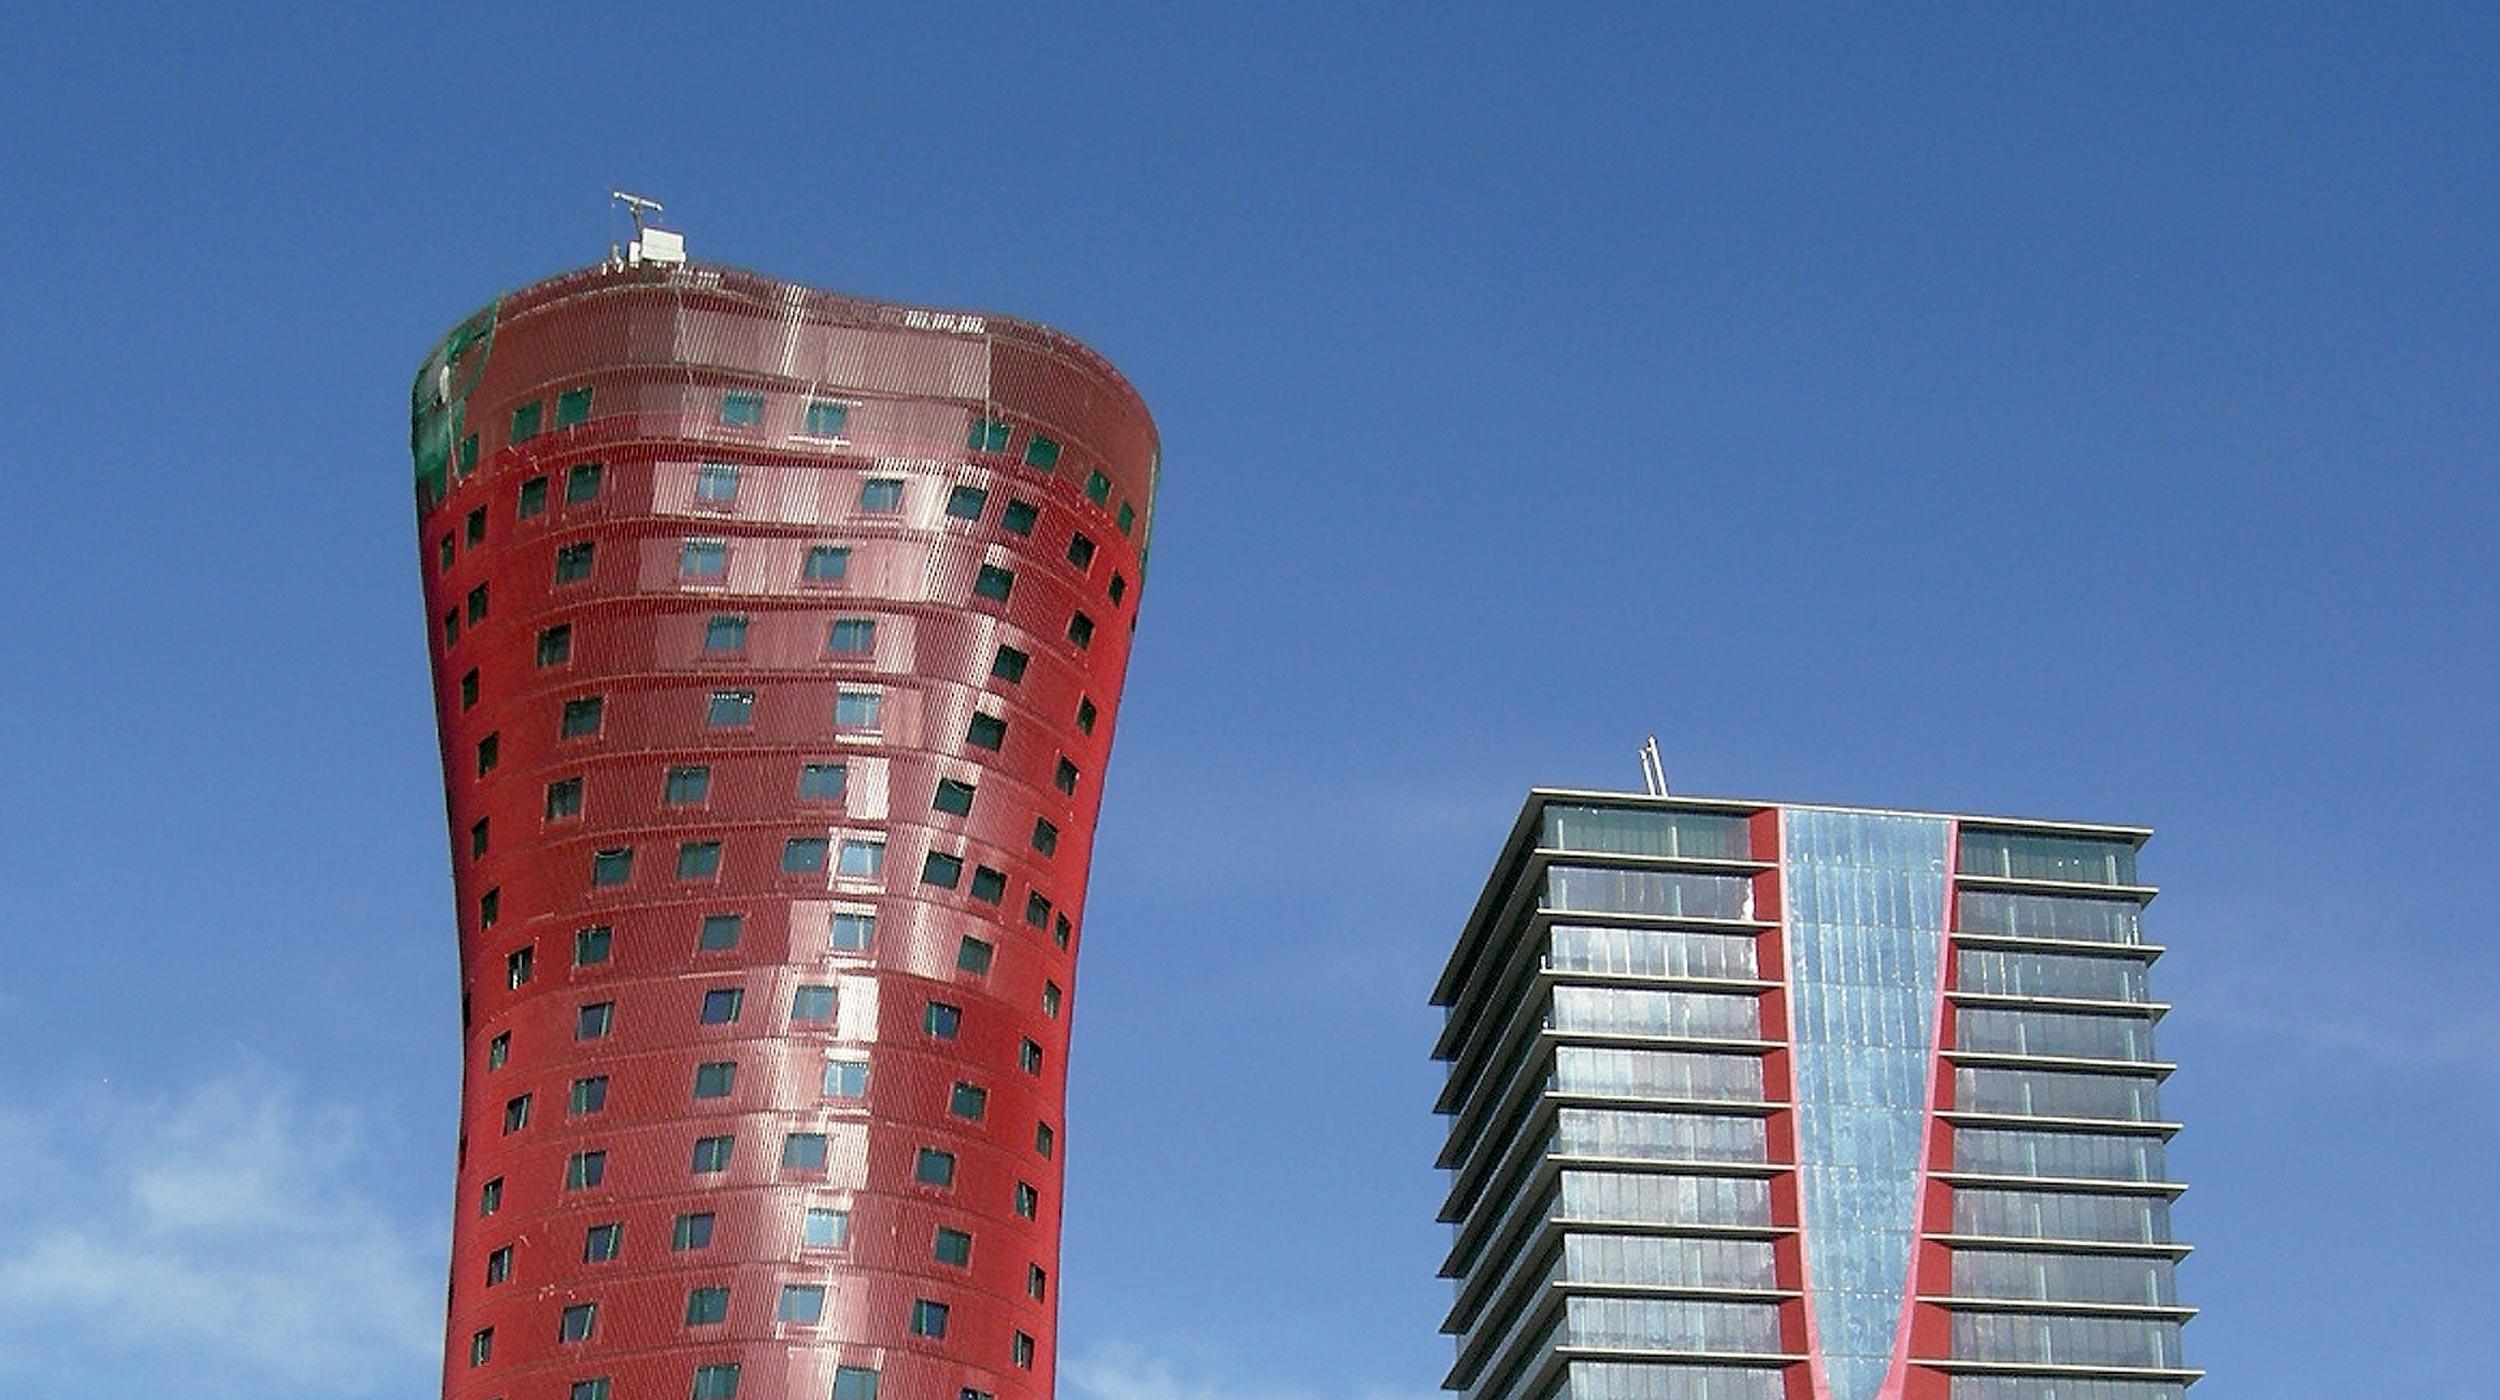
516 968
941 1020
573 407
852 636
582 483
803 855
880 495
1036 1282
812 1003
1036 909
1064 777
555 645
705 1306
490 1196
861 860
703 558
516 1113
1023 1351
953 796
687 784
1119 585
499 1050
1044 1139
802 1303
584 1170
712 1154
928 1318
573 562
1081 551
987 435
587 1096
729 707
477 838
1051 997
1045 837
614 866
1028 1201
826 563
969 1101
715 1080
533 498
692 1231
974 956
477 605
994 583
826 419
967 502
717 1381
564 799
942 870
577 1322
601 1243
1009 664
846 1079
857 709
594 1020
803 1152
741 410
525 420
698 860
720 933
468 690
1098 488
481 1346
934 1168
595 1388
1081 630
854 1383
722 1004
988 886
853 933
1029 1057
825 1229
1019 517
582 716
499 1266
953 1247
726 632
591 945
1041 452
716 483
1086 714
822 782
986 732
1128 526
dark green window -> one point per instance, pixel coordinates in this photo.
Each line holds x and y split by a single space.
941 1020
613 866
1041 452
1065 778
477 525
987 435
587 1096
594 1020
804 855
1019 516
573 562
742 410
826 563
716 482
986 732
477 605
928 1318
1044 1139
1085 714
1081 551
703 558
994 583
591 945
812 1003
953 1246
720 932
705 1306
854 1383
852 636
988 886
1009 664
1045 837
1059 931
1128 518
934 1168
721 1005
445 552
477 838
728 707
525 421
602 1242
826 419
711 1154
716 1080
533 497
717 1381
953 796
1036 909
803 1152
1098 488
581 483
582 716
1028 1201
942 870
1029 1058
564 799
1081 630
468 454
468 689
852 933
974 956
687 784
802 1303
1119 589
725 632
880 495
822 782
489 751
555 645
692 1231
573 407
967 502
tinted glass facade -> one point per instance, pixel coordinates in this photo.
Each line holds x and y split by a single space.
1752 1102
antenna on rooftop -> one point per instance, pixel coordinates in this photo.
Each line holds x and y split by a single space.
1653 769
657 246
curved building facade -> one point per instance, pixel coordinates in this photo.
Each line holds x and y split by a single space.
778 639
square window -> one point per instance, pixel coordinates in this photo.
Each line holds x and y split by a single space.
741 410
590 945
1081 630
564 799
577 1322
1036 1282
803 855
481 1346
986 732
468 690
477 605
853 933
687 783
1041 452
698 860
803 1152
716 1080
826 563
1081 551
582 716
826 1229
691 1231
861 860
490 1196
1009 664
928 1318
1019 517
969 1101
1044 1139
587 1096
1051 998
603 1242
720 932
516 1113
703 558
533 498
1045 837
595 1019
729 707
802 1303
1028 1201
934 1168
555 645
516 968
967 502
822 782
573 562
725 632
846 1079
705 1306
1036 909
525 421
812 1003
489 908
499 1050
582 483
854 1383
1064 777
711 1154
716 483
1128 526
1119 584
987 435
584 1170
988 886
721 1005
953 1247
573 407
499 1266
941 1020
595 1388
718 1381
1086 714
826 419
852 636
1098 488
612 867
953 796
942 870
994 583
1023 1351
880 495
1029 1057
973 956
857 709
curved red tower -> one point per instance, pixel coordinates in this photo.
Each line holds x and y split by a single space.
778 640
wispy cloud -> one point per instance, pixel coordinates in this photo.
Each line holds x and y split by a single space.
211 1237
1121 1371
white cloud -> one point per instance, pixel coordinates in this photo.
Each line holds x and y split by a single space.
219 1236
1120 1371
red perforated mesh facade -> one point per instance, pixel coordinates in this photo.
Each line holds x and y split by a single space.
778 639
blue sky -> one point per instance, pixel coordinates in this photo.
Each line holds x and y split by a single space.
2084 412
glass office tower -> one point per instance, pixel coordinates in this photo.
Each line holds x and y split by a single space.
1753 1101
777 641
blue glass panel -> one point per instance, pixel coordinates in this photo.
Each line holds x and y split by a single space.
1865 934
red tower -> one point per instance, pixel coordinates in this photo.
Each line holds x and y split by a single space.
778 639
